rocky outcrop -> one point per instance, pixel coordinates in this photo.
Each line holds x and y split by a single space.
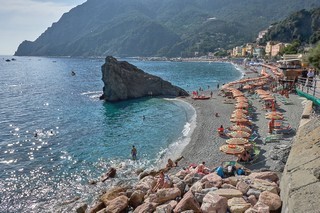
123 81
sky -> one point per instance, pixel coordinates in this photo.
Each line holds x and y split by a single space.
27 19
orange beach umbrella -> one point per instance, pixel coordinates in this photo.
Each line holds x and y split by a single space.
231 149
239 134
237 141
240 128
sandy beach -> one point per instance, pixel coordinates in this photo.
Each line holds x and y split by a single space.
205 141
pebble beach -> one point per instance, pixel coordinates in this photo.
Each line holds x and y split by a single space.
205 141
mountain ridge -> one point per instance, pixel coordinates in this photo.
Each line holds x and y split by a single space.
157 28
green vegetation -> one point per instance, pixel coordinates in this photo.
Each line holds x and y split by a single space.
292 48
164 28
314 56
303 27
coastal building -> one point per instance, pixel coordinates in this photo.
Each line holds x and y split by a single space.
237 51
249 49
276 49
258 52
261 35
268 49
273 49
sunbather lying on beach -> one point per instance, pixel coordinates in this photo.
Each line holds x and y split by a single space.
201 169
244 156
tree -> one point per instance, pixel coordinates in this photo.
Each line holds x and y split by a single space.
292 48
314 56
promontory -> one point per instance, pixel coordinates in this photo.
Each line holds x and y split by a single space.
123 81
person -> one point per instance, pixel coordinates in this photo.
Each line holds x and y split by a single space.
310 75
271 125
170 164
143 117
211 93
230 170
202 169
134 153
304 75
167 181
221 130
218 86
217 114
159 183
244 156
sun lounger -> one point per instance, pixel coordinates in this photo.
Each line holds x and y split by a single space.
273 138
286 131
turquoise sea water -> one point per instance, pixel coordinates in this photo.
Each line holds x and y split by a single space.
78 136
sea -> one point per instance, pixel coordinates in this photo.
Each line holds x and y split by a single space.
56 136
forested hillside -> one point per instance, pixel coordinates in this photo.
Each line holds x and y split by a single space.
159 28
302 26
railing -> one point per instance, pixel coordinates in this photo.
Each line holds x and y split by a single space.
309 86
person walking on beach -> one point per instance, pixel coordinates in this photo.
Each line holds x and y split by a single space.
218 86
134 153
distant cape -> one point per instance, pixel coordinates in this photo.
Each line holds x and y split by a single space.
123 81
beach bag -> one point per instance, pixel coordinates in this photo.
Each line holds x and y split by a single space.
240 171
220 172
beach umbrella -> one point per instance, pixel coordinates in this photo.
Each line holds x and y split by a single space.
239 134
275 117
239 120
248 86
242 105
231 149
240 128
273 113
237 141
240 111
238 115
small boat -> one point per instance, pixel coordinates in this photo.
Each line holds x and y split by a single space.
202 97
8 60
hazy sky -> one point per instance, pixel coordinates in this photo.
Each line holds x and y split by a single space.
26 19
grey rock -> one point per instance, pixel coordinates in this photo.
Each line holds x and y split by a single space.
254 192
81 208
205 191
199 197
123 81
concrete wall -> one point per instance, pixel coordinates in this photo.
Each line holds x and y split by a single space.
300 183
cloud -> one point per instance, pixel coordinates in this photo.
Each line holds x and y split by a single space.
26 19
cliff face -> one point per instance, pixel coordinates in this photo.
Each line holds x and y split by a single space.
124 81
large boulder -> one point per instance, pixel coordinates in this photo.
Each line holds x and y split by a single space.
243 186
214 203
146 184
228 193
164 195
238 205
270 199
264 185
145 208
123 81
188 202
212 180
271 176
136 199
118 204
112 194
